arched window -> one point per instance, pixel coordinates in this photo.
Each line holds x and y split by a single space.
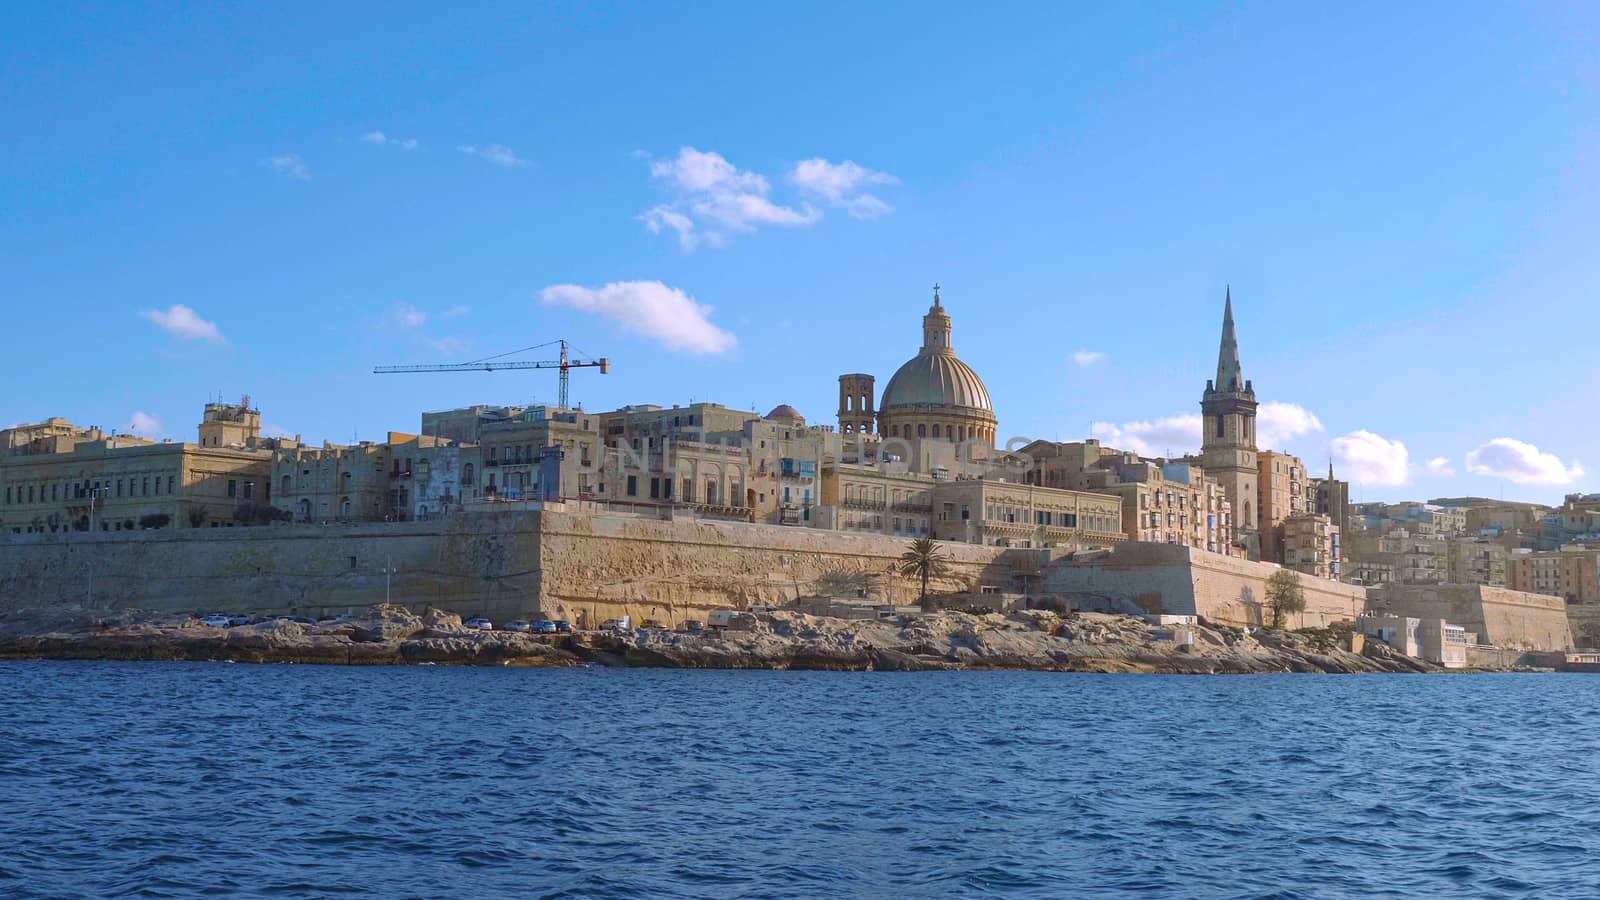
1220 420
866 403
935 431
285 485
922 431
466 475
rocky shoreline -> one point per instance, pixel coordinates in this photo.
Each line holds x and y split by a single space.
1030 641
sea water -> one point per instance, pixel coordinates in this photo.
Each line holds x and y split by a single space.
177 779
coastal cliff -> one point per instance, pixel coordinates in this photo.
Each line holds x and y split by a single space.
1033 640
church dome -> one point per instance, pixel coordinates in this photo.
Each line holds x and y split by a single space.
786 412
935 379
935 395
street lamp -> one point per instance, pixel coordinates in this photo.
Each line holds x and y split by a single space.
94 494
388 571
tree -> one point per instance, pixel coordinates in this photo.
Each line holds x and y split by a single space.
922 559
840 583
1285 596
154 520
198 516
252 513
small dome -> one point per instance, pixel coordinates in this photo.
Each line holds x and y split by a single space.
786 412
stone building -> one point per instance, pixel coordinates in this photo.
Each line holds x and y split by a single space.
1228 436
57 477
1280 495
1170 502
407 477
513 450
1475 560
1310 543
1001 514
1571 573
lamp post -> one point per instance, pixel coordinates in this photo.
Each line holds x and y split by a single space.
388 571
94 494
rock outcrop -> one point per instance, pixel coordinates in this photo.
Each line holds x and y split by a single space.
387 635
1032 640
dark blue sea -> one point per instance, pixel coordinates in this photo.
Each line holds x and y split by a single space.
179 779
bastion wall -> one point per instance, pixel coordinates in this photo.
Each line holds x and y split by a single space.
483 564
1499 616
595 567
1174 580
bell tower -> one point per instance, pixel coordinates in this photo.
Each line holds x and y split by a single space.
856 411
1228 443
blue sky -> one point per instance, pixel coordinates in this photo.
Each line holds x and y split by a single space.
739 203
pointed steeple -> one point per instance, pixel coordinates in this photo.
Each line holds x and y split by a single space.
1229 378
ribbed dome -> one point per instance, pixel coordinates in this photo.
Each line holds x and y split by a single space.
935 378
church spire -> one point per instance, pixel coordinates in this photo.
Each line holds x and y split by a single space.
1229 377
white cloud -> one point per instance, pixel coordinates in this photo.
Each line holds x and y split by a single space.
455 312
275 431
1278 422
181 321
448 344
143 424
1368 458
1439 467
499 154
288 165
1087 357
661 218
713 198
649 308
407 316
1170 436
1521 463
381 139
841 184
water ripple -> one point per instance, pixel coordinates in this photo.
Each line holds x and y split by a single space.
185 779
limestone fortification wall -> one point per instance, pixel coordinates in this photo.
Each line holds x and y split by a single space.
485 564
595 567
1173 580
1585 621
1502 617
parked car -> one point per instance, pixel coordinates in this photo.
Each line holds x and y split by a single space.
517 625
241 620
479 622
544 627
694 626
216 620
624 622
562 627
298 620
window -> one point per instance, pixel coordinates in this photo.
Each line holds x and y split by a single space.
666 488
171 480
249 489
144 487
633 485
1219 426
233 487
655 489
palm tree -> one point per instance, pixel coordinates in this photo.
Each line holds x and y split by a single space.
923 559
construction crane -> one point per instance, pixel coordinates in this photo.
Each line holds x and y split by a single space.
489 364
